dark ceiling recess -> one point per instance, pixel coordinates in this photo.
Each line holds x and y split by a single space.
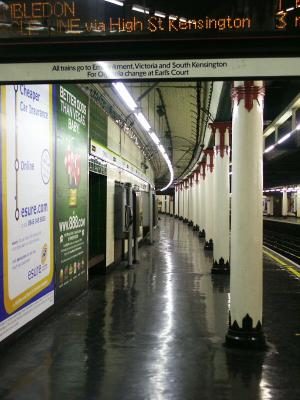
283 171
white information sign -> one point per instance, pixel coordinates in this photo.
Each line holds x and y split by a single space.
148 69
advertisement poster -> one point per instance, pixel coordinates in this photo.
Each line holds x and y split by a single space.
26 205
71 188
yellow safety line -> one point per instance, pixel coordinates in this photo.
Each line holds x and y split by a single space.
283 264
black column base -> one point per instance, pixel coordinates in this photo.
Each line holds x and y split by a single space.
180 218
190 223
175 216
185 220
201 233
195 228
246 337
135 262
220 267
209 245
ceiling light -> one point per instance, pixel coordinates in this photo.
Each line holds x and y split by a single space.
155 138
173 17
142 120
140 9
269 148
182 19
116 2
126 96
290 9
160 14
161 149
284 138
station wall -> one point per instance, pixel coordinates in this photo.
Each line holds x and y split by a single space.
45 133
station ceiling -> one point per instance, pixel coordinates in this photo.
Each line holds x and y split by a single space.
179 113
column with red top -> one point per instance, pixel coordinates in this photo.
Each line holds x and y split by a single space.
246 261
202 182
185 200
176 198
221 132
180 201
209 200
196 201
191 199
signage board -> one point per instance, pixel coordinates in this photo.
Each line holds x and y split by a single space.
26 201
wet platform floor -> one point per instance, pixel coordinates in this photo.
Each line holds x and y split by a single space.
156 332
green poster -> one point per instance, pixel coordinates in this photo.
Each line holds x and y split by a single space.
71 188
98 124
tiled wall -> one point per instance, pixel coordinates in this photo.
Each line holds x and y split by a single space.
121 144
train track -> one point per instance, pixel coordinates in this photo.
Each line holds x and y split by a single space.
284 244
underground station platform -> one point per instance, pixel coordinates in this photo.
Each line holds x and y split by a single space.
157 331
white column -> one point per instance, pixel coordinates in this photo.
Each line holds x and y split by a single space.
298 202
202 183
163 204
221 130
167 204
196 201
184 201
271 198
181 201
269 205
191 198
209 200
176 212
246 277
284 203
151 192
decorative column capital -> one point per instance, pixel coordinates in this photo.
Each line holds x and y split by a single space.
186 183
196 176
191 177
248 92
209 152
202 169
222 127
221 142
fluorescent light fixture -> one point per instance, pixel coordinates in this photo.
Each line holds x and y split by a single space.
161 149
182 19
230 173
173 17
142 120
269 148
140 9
125 95
70 32
284 138
290 9
160 14
298 126
116 2
155 138
127 98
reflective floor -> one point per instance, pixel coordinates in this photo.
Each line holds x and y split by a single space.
157 332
